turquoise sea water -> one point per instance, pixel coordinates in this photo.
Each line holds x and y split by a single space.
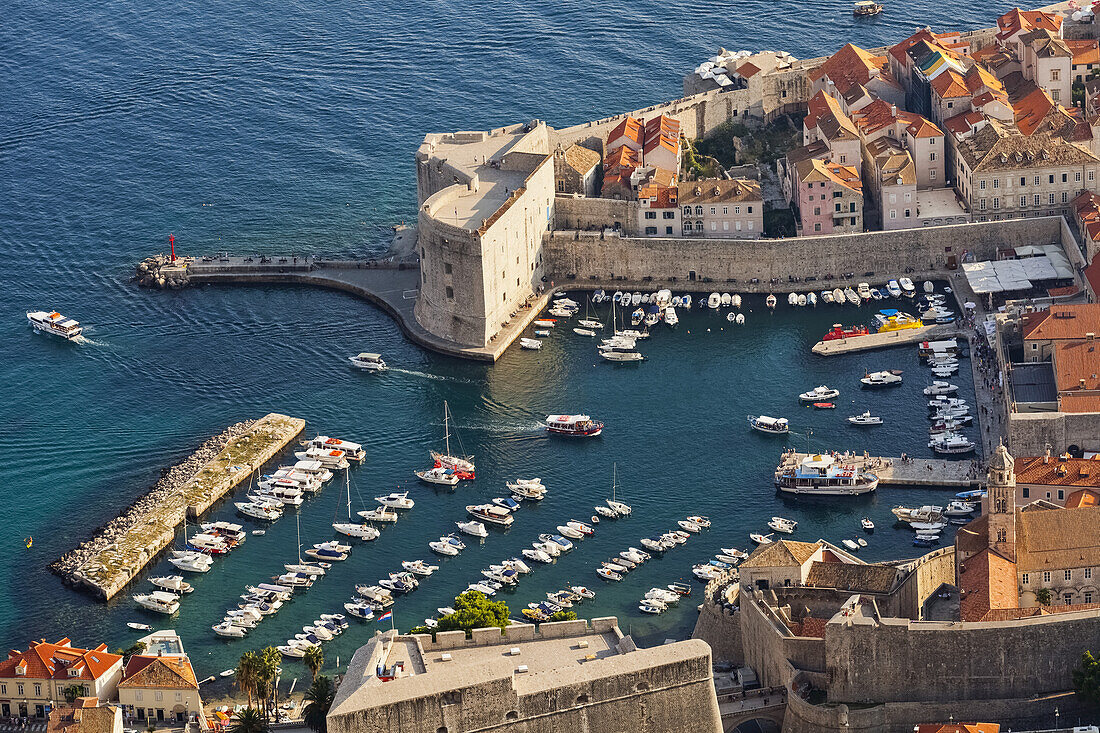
292 129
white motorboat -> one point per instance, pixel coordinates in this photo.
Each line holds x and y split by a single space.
358 531
926 513
567 531
822 475
770 301
689 526
369 362
545 322
282 495
304 567
951 443
760 539
463 466
727 300
584 332
959 509
537 555
893 288
55 324
607 574
229 630
192 563
941 388
473 528
331 551
880 379
714 300
770 425
671 319
531 492
705 572
929 286
819 394
442 547
734 552
852 296
850 544
360 610
532 344
606 511
863 290
396 500
258 511
139 627
867 524
792 298
782 524
352 451
907 288
583 528
289 480
575 426
159 601
622 357
865 418
172 583
490 513
550 548
379 514
291 652
811 298
329 458
945 371
740 320
438 475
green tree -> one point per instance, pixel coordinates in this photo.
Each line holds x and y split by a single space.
270 658
136 648
314 660
248 720
473 610
1086 678
1042 597
318 700
72 692
563 616
248 670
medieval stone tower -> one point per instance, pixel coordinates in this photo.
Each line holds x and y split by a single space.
1001 504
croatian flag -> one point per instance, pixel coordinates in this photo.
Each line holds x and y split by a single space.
386 616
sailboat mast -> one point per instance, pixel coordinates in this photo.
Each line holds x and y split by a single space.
446 429
348 474
298 522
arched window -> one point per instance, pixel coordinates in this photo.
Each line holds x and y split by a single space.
698 210
511 715
687 211
698 226
582 699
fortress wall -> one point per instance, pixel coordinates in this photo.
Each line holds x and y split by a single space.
625 262
894 660
1029 433
771 649
578 212
931 571
720 629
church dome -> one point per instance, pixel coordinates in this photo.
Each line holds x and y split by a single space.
1001 460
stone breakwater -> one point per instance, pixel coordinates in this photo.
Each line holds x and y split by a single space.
119 549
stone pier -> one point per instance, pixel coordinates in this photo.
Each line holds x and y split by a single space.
913 472
107 563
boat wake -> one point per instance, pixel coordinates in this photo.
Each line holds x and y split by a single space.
85 341
426 375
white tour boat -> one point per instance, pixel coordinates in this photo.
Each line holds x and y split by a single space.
55 324
880 379
368 362
491 513
770 425
396 500
439 475
865 418
352 451
328 458
573 426
821 475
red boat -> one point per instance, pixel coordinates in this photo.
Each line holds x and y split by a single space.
839 332
824 406
581 426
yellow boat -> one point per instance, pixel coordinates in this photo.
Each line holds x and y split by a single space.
895 320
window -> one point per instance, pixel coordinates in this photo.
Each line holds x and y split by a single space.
1046 576
1065 178
737 210
1037 200
1027 491
907 214
1065 197
1023 180
712 211
996 183
37 690
1092 175
996 203
725 210
950 105
1050 198
817 228
893 213
1088 576
981 204
1055 94
1024 579
932 156
698 226
1069 575
179 696
450 292
1036 180
687 211
561 186
851 207
981 185
836 194
1088 596
669 214
817 211
3 689
20 688
1051 177
651 230
748 209
651 214
908 197
1077 176
1067 598
932 174
668 231
447 268
842 159
698 210
1023 202
838 206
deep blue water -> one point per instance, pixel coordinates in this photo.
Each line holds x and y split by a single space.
250 128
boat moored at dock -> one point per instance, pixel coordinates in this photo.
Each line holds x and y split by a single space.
352 451
821 475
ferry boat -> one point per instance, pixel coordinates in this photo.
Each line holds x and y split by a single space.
352 451
866 8
892 319
839 332
770 425
821 475
55 324
581 426
368 362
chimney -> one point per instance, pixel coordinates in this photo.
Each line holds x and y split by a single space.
894 110
1082 383
1090 337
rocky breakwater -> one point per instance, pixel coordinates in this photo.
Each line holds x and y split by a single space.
118 550
162 272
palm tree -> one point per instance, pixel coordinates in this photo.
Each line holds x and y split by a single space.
314 660
248 669
268 671
318 699
248 720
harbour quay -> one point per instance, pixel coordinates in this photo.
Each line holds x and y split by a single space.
105 564
898 472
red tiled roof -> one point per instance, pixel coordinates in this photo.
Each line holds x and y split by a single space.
1077 365
171 672
1032 109
1062 292
923 127
848 66
950 85
1079 404
621 159
1092 272
987 582
748 69
1056 471
963 122
630 128
898 49
1082 498
1063 322
1085 51
1017 20
43 660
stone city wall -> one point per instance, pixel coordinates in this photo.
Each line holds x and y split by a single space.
925 577
578 212
770 647
694 264
945 661
1029 433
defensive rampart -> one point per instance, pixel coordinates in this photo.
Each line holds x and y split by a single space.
598 260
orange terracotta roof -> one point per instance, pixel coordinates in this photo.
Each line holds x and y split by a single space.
1077 366
923 127
1032 109
1017 20
811 627
820 105
1092 273
171 672
1063 322
898 49
1062 292
619 160
43 660
1079 404
1082 498
987 582
959 728
850 65
662 125
660 197
977 78
1084 51
984 54
1055 471
950 85
962 123
630 128
660 142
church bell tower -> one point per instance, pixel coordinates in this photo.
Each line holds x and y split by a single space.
1001 504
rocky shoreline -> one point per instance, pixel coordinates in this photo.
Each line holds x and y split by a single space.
171 480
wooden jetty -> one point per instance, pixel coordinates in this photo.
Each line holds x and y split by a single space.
933 472
106 572
883 340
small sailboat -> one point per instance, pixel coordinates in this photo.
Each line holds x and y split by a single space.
618 507
463 466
